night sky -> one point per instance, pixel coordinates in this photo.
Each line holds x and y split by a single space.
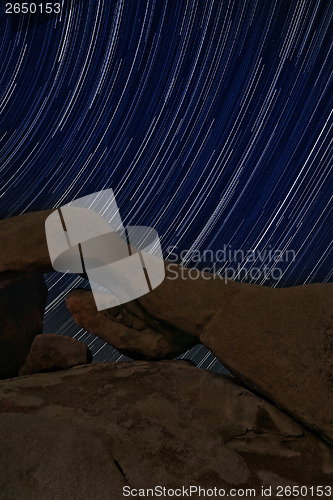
210 120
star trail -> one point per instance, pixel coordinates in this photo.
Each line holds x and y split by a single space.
211 121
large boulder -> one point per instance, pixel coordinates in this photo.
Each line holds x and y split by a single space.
163 423
22 303
24 258
23 243
279 342
276 341
51 352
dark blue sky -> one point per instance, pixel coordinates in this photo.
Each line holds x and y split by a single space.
211 121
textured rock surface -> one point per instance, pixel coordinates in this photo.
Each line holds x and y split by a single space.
23 243
51 352
279 342
22 304
163 423
129 328
42 458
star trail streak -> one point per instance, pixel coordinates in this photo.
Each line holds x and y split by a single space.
210 119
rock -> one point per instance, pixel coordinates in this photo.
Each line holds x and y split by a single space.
23 260
51 352
22 303
129 328
163 423
276 341
189 301
279 342
42 458
23 243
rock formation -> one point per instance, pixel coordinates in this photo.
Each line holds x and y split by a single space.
23 243
129 328
280 343
23 293
22 304
276 341
161 423
146 423
51 352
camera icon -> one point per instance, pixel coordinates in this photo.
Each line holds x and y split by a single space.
87 237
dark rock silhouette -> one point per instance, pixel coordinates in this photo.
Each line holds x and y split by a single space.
22 305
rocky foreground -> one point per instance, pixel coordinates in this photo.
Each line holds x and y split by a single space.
89 431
